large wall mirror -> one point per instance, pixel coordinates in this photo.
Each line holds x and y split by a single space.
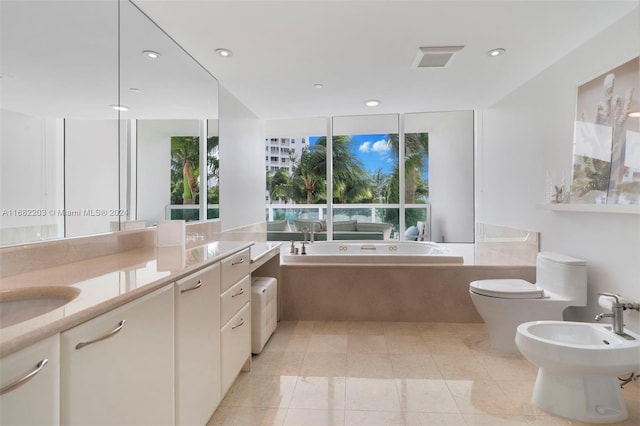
79 82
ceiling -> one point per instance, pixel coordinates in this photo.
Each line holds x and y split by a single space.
361 49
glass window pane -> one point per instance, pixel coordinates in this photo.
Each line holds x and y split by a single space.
295 165
365 172
213 169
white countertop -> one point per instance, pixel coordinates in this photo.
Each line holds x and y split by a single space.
108 282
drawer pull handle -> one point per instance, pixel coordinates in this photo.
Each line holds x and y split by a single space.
238 293
241 323
24 378
106 336
195 287
237 262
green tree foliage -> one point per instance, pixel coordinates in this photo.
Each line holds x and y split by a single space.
185 169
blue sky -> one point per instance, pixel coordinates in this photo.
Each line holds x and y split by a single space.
372 150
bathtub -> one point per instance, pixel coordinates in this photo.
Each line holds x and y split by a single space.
367 252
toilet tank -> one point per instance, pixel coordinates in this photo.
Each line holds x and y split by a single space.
563 275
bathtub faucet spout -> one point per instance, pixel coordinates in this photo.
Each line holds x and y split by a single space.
313 229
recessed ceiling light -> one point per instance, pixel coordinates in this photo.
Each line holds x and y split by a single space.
151 54
120 107
318 86
496 52
372 103
634 114
225 53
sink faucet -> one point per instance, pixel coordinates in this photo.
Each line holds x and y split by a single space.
313 228
617 309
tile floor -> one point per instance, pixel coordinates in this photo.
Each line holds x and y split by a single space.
388 373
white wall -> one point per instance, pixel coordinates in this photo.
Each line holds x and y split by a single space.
242 174
530 132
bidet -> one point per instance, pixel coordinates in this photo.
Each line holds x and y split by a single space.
578 367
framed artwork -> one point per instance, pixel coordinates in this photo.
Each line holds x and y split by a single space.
606 139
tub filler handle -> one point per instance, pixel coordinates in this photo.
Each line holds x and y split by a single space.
365 247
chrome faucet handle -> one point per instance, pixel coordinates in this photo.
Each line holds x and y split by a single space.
304 233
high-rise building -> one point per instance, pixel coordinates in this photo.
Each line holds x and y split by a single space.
283 152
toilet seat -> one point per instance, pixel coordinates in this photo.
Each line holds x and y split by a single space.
506 289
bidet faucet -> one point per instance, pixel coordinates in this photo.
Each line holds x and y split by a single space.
617 309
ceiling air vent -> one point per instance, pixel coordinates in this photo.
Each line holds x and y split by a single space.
434 57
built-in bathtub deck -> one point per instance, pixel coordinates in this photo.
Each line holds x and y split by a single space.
386 292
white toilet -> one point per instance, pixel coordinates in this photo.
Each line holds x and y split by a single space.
503 304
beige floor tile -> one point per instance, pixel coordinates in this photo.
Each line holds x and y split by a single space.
322 393
435 329
324 364
520 392
460 367
497 420
372 394
331 327
422 419
244 416
509 367
403 328
328 343
296 327
424 395
305 417
369 365
366 343
447 345
401 344
414 366
254 390
373 418
365 327
287 342
481 397
277 363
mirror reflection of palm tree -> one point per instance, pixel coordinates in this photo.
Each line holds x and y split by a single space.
184 165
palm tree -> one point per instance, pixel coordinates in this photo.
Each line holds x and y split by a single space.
184 158
279 185
309 176
416 147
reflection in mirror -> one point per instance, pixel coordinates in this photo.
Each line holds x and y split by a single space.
169 97
68 159
448 139
59 78
213 169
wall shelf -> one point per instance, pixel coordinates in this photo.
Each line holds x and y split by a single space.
593 208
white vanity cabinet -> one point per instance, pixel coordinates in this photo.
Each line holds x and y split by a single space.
197 331
117 369
235 317
30 380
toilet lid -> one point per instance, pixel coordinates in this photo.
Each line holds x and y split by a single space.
507 289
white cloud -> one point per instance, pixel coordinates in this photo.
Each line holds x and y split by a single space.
365 147
381 147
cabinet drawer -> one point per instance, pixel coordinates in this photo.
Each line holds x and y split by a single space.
235 298
235 346
205 277
235 267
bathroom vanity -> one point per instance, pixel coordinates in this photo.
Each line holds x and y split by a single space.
139 344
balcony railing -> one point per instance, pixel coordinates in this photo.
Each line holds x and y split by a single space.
360 212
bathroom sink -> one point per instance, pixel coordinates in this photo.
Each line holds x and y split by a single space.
21 304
